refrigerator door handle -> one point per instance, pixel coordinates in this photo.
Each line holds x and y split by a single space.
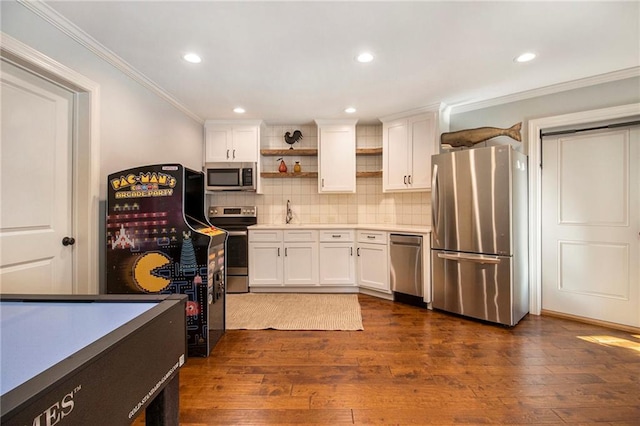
435 199
466 257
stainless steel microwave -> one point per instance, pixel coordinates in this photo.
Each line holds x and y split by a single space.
230 176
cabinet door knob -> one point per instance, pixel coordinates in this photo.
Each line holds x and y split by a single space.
227 154
405 179
358 251
409 179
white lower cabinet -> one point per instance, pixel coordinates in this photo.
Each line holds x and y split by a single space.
301 264
283 258
337 258
265 264
327 260
265 258
373 261
300 257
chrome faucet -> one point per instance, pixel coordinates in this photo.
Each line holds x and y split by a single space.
289 215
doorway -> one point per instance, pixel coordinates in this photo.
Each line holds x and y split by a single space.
536 127
590 225
36 141
83 163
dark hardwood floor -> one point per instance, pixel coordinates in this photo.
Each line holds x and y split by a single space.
415 366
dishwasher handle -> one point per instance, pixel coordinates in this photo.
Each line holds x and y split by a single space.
406 240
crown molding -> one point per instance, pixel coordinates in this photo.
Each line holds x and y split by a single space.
548 90
437 107
336 121
234 122
50 15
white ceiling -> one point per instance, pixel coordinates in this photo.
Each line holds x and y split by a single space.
293 62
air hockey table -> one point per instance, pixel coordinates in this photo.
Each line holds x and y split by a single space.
91 360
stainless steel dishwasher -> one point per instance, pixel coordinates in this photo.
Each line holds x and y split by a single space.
407 269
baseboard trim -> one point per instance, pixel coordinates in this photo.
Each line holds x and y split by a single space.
613 325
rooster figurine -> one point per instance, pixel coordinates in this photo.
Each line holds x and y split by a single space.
291 139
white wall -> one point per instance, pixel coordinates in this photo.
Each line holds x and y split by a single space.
137 126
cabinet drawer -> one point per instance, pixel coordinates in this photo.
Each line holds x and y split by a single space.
267 235
328 235
375 237
303 235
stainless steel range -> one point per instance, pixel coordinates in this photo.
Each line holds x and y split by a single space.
235 220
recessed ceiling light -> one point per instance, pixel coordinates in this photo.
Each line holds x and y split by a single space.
193 58
350 110
239 110
525 57
364 57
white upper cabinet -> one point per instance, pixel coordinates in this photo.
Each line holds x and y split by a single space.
336 156
407 146
232 141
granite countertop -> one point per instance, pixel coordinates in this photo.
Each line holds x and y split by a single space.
388 227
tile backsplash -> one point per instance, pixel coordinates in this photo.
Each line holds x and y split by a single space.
367 205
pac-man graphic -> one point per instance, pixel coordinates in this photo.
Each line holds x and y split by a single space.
146 271
193 309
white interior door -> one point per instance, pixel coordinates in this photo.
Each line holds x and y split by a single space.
35 180
591 225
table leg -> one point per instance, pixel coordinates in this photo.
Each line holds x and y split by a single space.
164 410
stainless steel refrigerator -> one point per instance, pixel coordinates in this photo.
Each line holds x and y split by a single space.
479 247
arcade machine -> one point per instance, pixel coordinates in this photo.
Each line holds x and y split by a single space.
159 240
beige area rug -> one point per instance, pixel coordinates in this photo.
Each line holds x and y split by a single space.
284 311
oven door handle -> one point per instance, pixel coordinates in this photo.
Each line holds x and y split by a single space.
238 233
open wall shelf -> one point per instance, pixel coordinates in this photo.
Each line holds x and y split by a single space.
312 151
313 174
369 174
290 152
289 175
369 151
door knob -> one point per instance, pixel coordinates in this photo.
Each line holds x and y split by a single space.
68 241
